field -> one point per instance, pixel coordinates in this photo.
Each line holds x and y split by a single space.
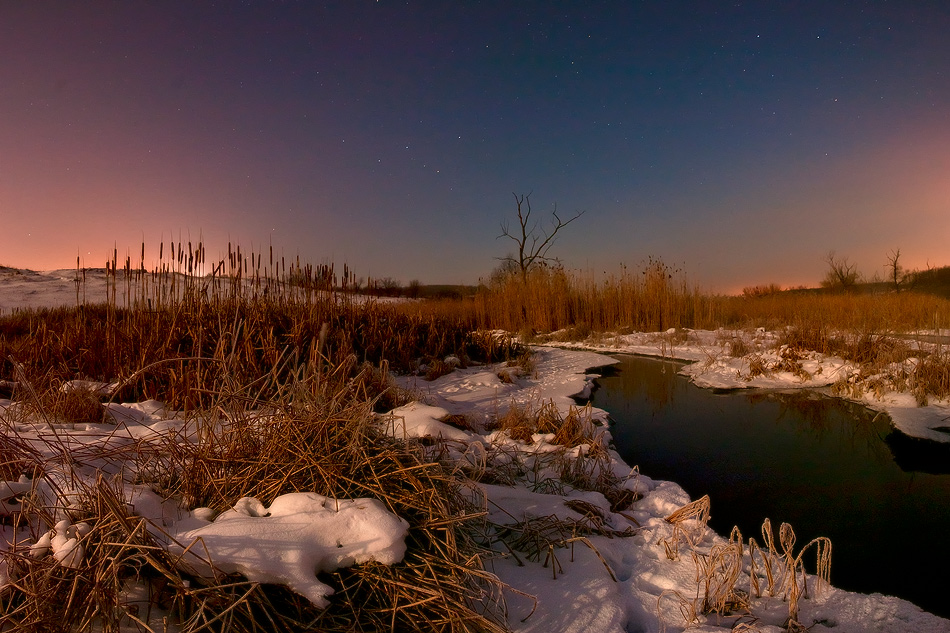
260 380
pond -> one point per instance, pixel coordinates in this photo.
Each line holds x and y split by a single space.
826 466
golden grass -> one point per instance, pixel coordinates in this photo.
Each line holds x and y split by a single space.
659 297
720 568
317 435
689 526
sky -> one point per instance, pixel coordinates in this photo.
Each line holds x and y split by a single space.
740 141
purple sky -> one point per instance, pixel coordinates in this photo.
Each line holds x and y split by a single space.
739 141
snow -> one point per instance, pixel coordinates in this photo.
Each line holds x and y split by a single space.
297 536
711 366
48 289
616 576
418 420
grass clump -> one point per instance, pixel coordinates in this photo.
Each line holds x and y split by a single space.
721 567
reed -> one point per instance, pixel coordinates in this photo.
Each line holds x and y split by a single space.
718 572
283 377
550 299
319 434
720 567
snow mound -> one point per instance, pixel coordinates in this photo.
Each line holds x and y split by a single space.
421 420
298 536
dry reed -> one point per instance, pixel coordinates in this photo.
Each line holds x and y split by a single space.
283 378
720 568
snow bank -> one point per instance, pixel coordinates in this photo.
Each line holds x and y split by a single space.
771 366
614 583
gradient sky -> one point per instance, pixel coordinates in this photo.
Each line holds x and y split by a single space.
740 141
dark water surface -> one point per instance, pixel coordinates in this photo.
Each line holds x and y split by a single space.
826 466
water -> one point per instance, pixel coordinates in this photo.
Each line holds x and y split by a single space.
827 467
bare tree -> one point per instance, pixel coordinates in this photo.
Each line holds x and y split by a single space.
841 275
895 272
532 239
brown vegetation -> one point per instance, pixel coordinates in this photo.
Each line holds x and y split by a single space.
296 340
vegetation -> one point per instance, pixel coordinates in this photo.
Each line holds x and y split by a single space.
657 297
221 340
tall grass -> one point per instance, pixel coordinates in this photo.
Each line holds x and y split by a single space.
881 313
547 299
171 335
226 346
658 297
875 331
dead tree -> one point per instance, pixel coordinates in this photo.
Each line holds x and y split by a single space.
841 275
532 239
895 271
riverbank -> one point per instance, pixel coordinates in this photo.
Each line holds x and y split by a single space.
621 583
726 359
827 466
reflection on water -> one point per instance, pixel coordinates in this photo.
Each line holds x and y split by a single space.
829 467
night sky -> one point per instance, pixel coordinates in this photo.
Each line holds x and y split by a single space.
740 141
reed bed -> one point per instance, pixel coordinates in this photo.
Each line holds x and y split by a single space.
282 369
657 297
170 335
316 434
548 299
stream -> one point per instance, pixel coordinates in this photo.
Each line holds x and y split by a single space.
824 465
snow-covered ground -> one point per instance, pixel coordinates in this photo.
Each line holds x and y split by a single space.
620 577
47 289
770 366
621 583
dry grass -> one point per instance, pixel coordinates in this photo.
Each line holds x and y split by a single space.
318 435
931 377
689 526
719 571
184 354
574 306
720 568
283 378
551 299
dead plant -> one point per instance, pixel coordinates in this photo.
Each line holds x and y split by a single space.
689 526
